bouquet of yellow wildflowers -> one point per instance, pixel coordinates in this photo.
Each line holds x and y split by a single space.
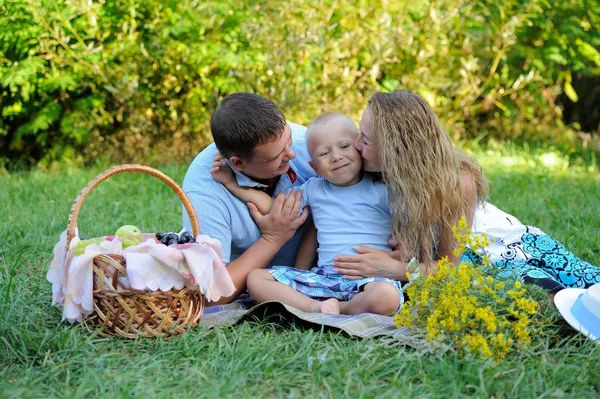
469 307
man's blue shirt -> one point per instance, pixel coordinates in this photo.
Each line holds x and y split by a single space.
226 218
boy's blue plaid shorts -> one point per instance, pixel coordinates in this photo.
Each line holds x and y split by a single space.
319 285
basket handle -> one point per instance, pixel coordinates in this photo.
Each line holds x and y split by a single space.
76 208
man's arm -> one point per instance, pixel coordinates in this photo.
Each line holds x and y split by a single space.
214 219
276 228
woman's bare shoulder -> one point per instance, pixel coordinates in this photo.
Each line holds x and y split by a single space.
468 184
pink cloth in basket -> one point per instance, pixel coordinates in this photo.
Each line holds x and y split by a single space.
154 266
150 266
72 276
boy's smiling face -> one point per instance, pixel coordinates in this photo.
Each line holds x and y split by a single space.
333 155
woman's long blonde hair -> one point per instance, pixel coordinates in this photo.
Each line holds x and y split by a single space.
422 170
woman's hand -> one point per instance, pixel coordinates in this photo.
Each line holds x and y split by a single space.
370 262
397 250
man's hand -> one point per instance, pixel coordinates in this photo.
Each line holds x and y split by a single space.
221 171
280 224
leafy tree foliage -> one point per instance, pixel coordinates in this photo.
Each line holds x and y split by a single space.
138 78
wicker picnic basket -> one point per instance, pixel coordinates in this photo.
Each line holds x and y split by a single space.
122 311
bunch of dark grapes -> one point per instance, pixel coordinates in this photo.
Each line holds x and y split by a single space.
174 238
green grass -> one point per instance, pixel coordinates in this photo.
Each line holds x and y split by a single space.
39 357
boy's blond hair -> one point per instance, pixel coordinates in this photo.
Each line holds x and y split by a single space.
323 120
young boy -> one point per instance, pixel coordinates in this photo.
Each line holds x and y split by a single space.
348 208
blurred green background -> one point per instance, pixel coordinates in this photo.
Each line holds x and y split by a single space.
137 80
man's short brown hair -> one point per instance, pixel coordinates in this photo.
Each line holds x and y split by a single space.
244 121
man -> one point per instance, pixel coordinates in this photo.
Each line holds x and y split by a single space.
264 152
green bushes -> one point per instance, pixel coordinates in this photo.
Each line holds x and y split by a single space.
139 79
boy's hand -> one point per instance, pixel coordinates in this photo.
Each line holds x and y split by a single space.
280 224
220 171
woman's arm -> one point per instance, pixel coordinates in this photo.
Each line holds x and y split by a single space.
447 242
470 190
222 173
276 229
307 251
369 262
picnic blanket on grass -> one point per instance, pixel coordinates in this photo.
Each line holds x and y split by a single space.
364 325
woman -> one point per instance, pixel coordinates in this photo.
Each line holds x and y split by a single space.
432 184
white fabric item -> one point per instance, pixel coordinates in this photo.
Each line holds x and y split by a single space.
150 265
590 300
56 269
153 266
503 230
78 289
214 282
72 276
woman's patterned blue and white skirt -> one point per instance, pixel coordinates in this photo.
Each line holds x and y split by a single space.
530 254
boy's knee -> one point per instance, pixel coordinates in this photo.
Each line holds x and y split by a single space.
255 277
385 299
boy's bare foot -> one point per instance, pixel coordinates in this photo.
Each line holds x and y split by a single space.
330 306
